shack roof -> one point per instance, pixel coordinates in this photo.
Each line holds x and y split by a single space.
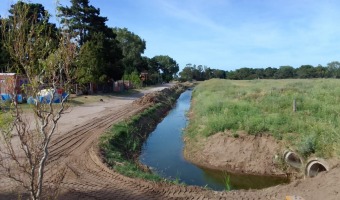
7 74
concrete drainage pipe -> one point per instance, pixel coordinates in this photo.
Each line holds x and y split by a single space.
293 159
314 166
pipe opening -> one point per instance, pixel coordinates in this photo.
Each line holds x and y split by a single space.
293 159
314 167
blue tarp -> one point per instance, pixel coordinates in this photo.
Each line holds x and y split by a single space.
31 100
47 99
5 97
8 97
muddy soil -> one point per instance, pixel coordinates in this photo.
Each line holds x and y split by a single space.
87 177
239 153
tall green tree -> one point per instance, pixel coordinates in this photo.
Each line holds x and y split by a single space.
217 73
98 60
38 26
83 19
321 71
333 69
132 48
91 61
198 73
187 73
4 56
168 67
37 16
306 71
100 56
285 72
208 73
269 72
245 73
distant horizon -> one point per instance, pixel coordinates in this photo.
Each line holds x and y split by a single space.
267 67
226 34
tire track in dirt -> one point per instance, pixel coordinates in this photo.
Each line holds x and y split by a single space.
88 175
88 178
75 138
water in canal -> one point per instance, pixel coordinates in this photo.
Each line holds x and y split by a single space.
163 153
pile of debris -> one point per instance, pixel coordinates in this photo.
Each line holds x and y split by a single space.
163 96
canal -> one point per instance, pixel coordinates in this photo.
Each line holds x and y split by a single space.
163 153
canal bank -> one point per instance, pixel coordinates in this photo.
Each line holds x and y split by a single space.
120 147
163 153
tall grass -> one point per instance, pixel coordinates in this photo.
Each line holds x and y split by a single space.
265 106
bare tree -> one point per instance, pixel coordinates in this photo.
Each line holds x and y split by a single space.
24 144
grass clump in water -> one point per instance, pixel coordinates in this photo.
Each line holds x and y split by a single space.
226 181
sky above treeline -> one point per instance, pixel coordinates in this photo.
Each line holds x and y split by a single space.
227 34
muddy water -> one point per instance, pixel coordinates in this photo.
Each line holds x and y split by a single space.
162 152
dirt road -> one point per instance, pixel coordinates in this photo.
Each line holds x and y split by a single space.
87 177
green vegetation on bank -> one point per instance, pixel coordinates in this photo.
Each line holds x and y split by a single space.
266 107
121 145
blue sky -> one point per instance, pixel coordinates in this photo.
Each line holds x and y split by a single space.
227 34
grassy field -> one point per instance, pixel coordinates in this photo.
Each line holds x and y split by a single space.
266 107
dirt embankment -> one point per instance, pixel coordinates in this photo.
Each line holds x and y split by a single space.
239 153
166 96
242 153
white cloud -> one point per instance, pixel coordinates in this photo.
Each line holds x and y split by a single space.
307 35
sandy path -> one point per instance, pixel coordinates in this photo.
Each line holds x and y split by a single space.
75 147
78 115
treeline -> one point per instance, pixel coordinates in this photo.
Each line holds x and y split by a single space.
104 54
200 73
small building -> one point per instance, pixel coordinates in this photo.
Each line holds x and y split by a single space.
144 76
12 82
122 85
